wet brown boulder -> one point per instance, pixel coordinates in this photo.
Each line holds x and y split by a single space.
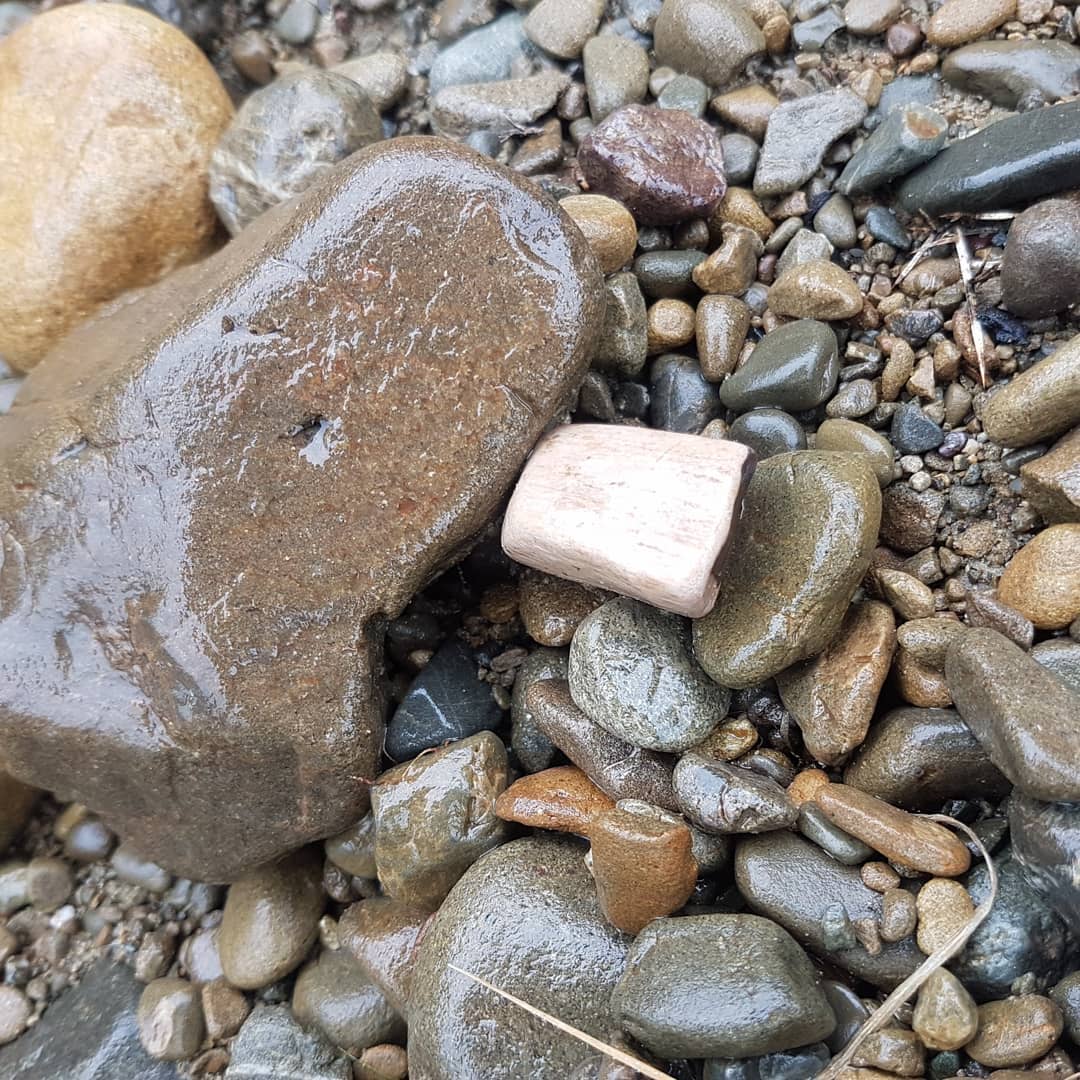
205 527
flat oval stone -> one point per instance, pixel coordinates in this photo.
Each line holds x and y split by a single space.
809 526
1006 71
525 918
1014 160
794 882
918 758
227 611
87 157
1028 720
663 164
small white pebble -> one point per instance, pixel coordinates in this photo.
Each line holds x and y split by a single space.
911 464
921 481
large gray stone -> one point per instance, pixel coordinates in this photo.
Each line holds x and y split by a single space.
794 883
273 1046
526 918
909 136
485 55
89 1033
1008 71
720 986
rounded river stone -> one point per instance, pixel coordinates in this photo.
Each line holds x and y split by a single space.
633 672
526 918
810 523
720 986
211 500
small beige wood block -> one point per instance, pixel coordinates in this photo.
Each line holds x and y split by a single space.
644 513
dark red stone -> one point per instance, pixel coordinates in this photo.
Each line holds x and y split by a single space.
663 164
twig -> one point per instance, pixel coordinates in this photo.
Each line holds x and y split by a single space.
963 253
931 241
939 957
619 1055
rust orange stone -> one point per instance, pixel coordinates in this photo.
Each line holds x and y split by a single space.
562 799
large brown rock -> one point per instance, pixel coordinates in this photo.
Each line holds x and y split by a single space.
108 117
205 527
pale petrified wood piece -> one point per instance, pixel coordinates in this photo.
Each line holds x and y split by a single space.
644 513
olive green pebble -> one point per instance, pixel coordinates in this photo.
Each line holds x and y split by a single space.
852 437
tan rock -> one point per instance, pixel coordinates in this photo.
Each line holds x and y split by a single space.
815 290
879 876
643 867
944 907
898 914
806 785
731 739
720 327
740 206
927 640
608 226
562 799
899 836
552 607
907 594
110 116
1051 483
957 22
747 108
894 1049
732 267
669 324
1042 580
1015 1031
945 1016
833 696
919 684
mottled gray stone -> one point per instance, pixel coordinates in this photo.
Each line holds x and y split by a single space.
616 73
1007 72
485 55
534 750
499 108
633 672
273 1046
526 918
723 798
709 39
799 133
909 136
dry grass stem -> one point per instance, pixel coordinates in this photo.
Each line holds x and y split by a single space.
963 253
885 1011
619 1055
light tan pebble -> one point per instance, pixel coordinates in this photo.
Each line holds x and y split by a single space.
868 85
893 1049
957 22
879 876
944 907
383 1062
922 384
49 882
383 76
732 267
899 836
910 598
1042 580
740 206
747 108
225 1008
552 607
669 325
898 369
1015 1031
923 63
170 1020
816 290
607 225
928 640
898 914
946 1016
15 1012
720 327
806 785
919 684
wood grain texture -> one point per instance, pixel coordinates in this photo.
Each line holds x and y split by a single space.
644 513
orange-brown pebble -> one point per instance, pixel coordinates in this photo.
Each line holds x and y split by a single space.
899 836
643 867
669 325
608 226
806 785
383 1062
562 799
552 607
919 684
